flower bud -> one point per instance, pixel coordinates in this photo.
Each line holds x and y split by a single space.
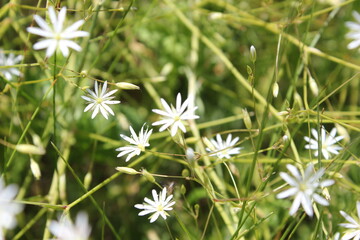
87 180
215 15
127 170
275 89
127 86
190 154
208 143
35 169
185 173
62 187
166 69
253 54
249 70
148 176
247 119
30 149
183 189
342 132
313 86
83 74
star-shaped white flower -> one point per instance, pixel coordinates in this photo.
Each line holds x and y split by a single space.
140 143
9 60
64 229
174 117
354 33
305 188
223 149
353 226
99 99
328 145
8 208
55 36
158 207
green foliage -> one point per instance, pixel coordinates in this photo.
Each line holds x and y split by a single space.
201 49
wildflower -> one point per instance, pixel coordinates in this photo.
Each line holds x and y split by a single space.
99 99
328 145
8 208
353 226
158 207
174 117
64 229
354 33
139 142
9 61
55 36
304 187
223 149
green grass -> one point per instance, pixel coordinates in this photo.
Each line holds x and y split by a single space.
199 48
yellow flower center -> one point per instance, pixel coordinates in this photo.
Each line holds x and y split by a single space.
141 147
57 37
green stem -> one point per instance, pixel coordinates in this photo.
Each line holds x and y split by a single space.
54 99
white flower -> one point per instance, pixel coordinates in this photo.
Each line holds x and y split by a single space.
158 207
354 33
8 208
55 36
64 229
174 116
99 99
9 61
304 187
223 149
139 142
353 226
328 145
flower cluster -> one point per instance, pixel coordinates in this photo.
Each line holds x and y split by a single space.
306 186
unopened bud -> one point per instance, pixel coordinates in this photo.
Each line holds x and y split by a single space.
127 170
166 69
157 79
35 169
148 176
313 86
249 70
83 74
215 15
197 208
183 189
62 187
275 89
190 154
30 149
127 86
342 132
283 113
253 54
87 180
185 173
208 144
298 100
247 119
84 88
